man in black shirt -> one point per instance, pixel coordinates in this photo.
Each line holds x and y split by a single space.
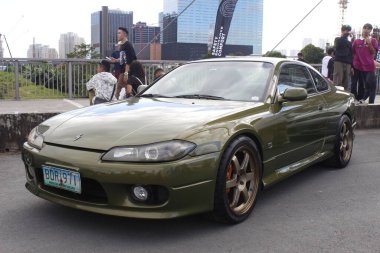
127 53
343 58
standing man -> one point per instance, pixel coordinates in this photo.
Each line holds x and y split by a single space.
325 61
364 51
127 53
343 58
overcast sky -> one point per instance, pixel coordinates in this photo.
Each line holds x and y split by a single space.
45 20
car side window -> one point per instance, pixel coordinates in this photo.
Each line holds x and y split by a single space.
320 82
292 75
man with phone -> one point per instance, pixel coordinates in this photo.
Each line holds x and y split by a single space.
343 58
364 51
127 54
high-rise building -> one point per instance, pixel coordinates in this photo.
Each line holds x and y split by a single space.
193 26
104 26
67 42
143 37
170 24
39 51
142 33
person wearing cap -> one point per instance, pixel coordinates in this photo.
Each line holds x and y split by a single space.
364 51
343 58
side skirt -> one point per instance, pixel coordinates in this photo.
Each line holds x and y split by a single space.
294 168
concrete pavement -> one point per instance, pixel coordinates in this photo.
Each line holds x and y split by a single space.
41 106
318 210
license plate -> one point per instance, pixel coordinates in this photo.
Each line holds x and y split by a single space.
62 179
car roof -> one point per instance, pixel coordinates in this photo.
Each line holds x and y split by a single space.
272 60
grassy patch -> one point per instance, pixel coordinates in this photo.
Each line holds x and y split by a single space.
28 89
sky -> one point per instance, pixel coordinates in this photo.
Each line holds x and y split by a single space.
44 20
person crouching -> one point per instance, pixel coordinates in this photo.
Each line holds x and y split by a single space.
102 85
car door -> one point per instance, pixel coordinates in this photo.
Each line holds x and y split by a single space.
300 124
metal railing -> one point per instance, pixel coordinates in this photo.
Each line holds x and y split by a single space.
22 78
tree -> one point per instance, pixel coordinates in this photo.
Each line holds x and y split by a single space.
312 54
84 51
274 54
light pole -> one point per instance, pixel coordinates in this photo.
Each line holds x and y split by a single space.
6 42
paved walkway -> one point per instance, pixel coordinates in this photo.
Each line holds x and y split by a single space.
53 105
41 106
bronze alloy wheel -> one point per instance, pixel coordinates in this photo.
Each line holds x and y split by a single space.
241 182
238 181
346 141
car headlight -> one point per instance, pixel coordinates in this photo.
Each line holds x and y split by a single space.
35 139
156 152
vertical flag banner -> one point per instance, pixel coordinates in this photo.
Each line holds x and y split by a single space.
222 26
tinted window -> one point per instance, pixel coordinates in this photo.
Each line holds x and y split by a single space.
297 76
319 81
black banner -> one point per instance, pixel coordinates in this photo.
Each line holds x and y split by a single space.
222 26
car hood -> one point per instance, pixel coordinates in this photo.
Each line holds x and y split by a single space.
137 121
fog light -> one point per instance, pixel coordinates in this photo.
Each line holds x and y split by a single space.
140 193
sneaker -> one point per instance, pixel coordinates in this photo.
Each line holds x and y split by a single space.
361 101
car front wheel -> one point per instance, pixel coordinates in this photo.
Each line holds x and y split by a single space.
343 144
238 181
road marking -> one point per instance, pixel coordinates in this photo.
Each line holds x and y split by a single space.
73 103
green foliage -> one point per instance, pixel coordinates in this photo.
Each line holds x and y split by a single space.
27 90
312 54
274 54
84 51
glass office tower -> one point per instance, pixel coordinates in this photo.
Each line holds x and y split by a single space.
195 23
104 26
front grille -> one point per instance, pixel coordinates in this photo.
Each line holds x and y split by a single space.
92 191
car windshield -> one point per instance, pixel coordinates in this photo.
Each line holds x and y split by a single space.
232 80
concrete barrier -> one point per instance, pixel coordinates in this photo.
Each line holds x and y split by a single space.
368 116
14 128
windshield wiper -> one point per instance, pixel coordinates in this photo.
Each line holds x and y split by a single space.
200 96
153 96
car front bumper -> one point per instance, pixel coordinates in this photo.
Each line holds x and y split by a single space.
184 187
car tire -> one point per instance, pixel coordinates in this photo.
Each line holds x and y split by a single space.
238 181
344 142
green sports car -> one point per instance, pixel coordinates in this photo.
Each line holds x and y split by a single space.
206 137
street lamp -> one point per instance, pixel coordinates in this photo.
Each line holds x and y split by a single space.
6 42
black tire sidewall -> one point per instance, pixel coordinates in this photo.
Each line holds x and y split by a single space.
340 162
221 205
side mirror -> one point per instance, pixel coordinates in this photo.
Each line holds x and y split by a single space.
293 94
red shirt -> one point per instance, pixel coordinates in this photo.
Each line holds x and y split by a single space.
363 59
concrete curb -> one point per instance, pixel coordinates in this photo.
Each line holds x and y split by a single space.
14 128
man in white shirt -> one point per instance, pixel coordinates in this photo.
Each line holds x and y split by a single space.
325 61
103 83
